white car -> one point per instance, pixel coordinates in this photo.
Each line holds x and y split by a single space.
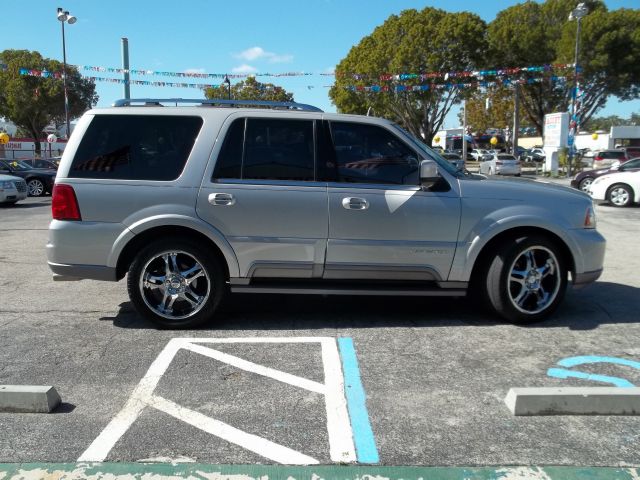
501 164
12 189
619 189
479 154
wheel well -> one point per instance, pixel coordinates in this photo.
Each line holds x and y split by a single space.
131 249
621 184
483 259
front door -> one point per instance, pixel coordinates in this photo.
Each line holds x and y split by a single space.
382 224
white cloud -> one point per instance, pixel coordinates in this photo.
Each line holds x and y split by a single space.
244 68
259 53
194 70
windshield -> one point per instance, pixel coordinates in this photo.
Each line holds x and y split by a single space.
430 153
17 165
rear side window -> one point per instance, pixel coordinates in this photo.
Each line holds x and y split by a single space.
267 149
135 147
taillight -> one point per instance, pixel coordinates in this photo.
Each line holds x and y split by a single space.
64 204
598 157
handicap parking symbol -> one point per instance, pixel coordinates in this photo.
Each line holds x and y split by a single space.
571 362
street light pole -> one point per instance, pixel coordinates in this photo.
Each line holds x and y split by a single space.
65 17
228 82
577 13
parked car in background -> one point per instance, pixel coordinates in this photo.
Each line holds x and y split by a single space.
583 180
41 163
12 189
480 154
632 152
536 155
454 159
39 181
605 158
501 164
619 189
520 153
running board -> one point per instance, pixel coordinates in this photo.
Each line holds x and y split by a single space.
306 290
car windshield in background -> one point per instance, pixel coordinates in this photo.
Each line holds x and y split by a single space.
17 165
431 153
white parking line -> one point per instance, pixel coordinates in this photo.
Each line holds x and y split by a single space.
340 433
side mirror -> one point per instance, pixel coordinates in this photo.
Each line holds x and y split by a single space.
428 173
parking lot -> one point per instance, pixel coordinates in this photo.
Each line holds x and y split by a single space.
262 383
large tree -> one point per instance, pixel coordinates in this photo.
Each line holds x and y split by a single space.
534 33
250 89
499 113
429 40
33 102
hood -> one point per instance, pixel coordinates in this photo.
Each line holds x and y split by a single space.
9 178
519 189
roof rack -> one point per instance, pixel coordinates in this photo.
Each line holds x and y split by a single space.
158 102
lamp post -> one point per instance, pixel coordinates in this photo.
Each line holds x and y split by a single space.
577 14
65 17
228 82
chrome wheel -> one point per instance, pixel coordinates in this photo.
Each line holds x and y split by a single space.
586 183
174 285
535 279
35 187
619 196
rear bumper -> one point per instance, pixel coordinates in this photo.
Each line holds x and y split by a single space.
63 272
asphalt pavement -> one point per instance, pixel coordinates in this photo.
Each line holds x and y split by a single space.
257 385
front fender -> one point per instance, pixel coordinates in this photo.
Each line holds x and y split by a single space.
474 238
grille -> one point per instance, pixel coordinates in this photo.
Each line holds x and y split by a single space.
21 186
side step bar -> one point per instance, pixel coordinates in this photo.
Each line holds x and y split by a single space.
308 290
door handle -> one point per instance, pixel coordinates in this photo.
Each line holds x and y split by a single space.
355 203
221 199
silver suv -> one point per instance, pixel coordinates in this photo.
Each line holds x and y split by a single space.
191 202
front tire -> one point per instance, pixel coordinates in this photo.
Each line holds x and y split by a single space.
526 280
176 283
620 195
585 183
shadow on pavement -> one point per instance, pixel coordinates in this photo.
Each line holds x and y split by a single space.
584 309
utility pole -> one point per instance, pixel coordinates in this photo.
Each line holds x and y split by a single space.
125 67
464 130
516 118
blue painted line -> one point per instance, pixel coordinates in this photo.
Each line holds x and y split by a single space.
365 444
562 373
573 361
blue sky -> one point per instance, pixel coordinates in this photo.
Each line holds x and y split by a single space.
223 37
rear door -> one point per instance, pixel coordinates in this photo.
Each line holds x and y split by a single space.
264 197
382 224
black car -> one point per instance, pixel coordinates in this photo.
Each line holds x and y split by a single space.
41 163
582 180
39 181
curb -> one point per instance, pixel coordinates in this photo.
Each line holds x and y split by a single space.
194 471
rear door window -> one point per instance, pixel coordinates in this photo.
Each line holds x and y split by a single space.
135 147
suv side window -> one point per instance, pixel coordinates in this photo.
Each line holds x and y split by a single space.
135 147
267 149
370 154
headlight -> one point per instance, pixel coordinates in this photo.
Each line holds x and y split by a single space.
7 185
590 217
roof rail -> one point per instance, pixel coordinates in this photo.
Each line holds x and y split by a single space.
127 102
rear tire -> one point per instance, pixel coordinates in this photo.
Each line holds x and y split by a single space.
176 284
526 280
35 187
620 195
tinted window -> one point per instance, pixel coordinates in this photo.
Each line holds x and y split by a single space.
506 157
278 150
631 164
229 161
371 154
135 147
